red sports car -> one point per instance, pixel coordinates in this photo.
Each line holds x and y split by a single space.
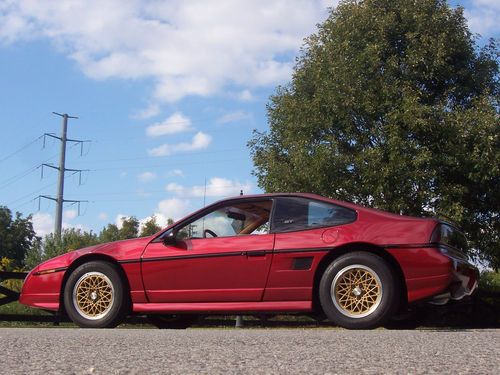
267 253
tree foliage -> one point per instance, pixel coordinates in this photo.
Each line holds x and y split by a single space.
392 104
150 227
16 236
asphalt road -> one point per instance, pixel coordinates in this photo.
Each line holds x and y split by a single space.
215 351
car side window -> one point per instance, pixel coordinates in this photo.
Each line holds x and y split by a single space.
292 214
232 220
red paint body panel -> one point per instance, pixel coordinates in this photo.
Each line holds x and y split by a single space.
426 271
256 272
232 275
42 291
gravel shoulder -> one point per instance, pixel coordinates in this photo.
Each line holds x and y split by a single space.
265 351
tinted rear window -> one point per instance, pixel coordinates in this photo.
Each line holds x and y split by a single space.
292 214
452 237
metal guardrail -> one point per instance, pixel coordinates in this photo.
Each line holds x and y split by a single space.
10 295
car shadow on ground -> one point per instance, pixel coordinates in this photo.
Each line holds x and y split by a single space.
480 312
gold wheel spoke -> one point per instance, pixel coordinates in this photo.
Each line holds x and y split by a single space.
357 291
93 295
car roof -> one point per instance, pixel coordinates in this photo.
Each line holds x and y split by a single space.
350 205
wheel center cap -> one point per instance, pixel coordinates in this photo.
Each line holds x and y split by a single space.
357 291
93 295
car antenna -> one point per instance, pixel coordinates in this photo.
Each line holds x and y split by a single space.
205 192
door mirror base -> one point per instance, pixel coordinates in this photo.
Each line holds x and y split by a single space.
170 240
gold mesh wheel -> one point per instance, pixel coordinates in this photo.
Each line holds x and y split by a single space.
356 291
93 295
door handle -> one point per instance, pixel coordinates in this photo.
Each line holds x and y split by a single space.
259 253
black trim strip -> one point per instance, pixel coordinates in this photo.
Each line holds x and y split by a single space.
127 261
316 250
265 252
195 256
410 246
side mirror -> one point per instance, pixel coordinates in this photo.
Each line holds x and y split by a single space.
170 240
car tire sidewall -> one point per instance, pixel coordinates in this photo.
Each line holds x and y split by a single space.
388 301
115 314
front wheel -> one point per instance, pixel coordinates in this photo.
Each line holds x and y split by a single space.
94 296
358 291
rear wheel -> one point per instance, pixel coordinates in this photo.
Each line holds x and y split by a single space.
358 291
94 295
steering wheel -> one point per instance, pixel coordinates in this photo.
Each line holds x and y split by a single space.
210 232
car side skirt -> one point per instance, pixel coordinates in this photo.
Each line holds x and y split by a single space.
218 307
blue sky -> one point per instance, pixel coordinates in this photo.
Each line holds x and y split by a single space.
167 91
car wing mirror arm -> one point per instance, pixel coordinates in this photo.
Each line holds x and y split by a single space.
170 240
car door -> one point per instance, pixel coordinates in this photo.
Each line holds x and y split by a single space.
221 255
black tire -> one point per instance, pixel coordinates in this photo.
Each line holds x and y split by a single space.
172 321
358 291
94 296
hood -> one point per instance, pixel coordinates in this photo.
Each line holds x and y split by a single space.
118 250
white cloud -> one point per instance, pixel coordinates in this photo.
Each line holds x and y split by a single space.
216 187
151 110
200 141
194 47
177 123
43 223
176 188
70 214
103 216
234 117
175 173
483 16
119 220
246 96
173 208
146 177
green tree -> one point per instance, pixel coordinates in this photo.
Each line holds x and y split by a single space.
35 255
392 104
71 239
130 228
109 233
16 236
150 227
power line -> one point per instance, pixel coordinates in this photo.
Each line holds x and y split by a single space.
20 149
166 165
159 157
132 167
31 194
9 181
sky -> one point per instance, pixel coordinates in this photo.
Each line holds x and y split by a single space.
167 92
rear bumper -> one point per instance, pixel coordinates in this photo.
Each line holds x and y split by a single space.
464 282
434 274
